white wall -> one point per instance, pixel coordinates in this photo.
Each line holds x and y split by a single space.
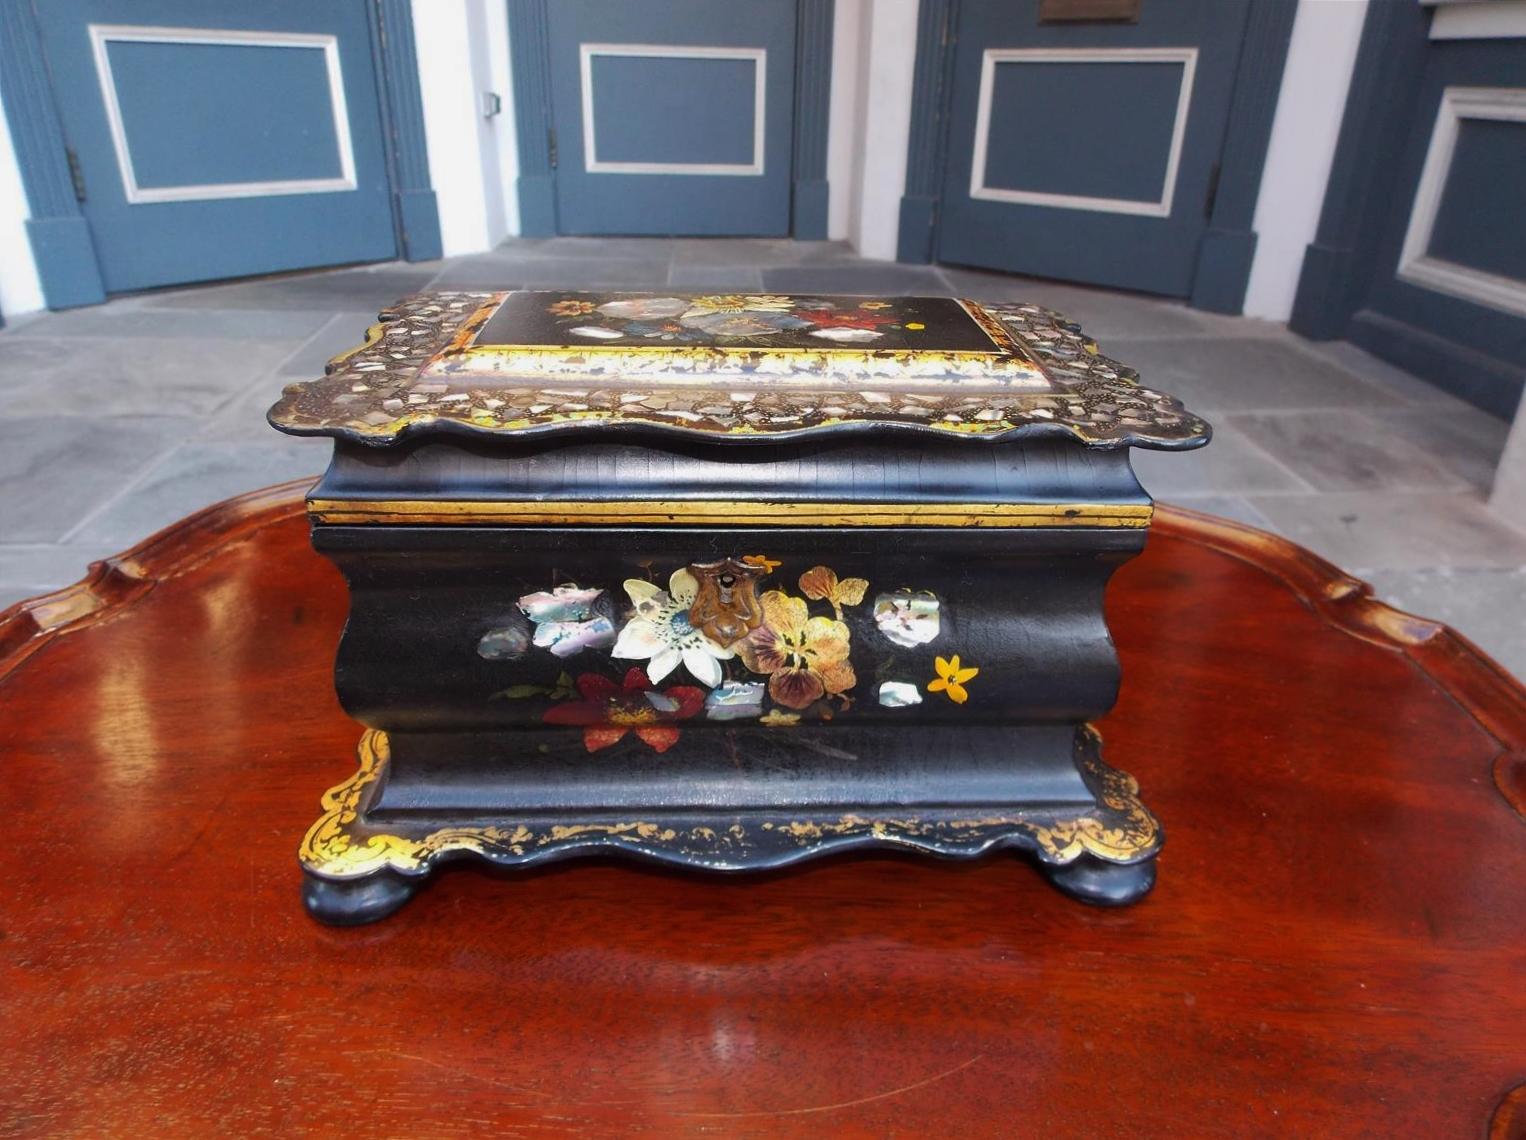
843 115
1321 58
462 52
502 84
20 291
882 78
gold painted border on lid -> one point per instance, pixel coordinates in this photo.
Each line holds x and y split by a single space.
723 512
1006 367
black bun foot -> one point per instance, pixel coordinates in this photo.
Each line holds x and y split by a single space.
355 902
1090 880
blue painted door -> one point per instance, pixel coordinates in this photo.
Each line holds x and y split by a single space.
1087 151
221 139
672 116
1447 296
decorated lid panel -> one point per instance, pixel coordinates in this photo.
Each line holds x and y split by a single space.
736 367
735 320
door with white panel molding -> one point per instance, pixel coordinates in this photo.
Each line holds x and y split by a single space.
213 139
1420 256
672 116
1448 290
1088 151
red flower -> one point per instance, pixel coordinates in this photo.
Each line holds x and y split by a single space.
845 319
608 711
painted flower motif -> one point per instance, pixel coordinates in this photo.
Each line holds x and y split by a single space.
899 695
872 305
777 719
847 318
743 324
740 303
821 584
506 644
596 332
951 678
608 710
662 633
566 638
907 619
804 657
847 336
668 330
735 700
769 564
645 308
563 603
569 308
566 621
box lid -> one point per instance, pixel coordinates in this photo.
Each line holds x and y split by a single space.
732 368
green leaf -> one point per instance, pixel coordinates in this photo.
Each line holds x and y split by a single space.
520 692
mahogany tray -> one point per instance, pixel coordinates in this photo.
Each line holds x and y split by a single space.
1336 948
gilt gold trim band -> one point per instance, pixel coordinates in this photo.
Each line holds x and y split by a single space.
341 844
725 512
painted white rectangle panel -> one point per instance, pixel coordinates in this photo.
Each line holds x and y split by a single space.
1507 294
1161 206
758 57
102 35
1491 20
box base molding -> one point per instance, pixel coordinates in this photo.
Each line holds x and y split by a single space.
357 871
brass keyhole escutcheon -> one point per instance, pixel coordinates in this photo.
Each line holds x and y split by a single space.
726 607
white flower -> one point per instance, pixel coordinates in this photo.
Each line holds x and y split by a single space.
661 632
735 700
899 694
906 618
644 308
848 336
564 638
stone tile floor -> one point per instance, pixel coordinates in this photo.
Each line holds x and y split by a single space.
124 417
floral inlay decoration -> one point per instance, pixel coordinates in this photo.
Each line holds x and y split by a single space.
567 620
774 659
805 657
662 632
907 618
731 317
951 678
821 584
608 710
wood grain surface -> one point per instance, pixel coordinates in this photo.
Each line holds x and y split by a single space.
1337 944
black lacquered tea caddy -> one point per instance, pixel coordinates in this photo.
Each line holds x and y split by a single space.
726 582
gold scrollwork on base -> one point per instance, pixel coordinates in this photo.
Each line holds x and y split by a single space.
1120 830
1123 832
334 847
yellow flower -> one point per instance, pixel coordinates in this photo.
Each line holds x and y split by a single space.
820 584
804 657
570 308
777 719
872 305
769 564
951 679
740 303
